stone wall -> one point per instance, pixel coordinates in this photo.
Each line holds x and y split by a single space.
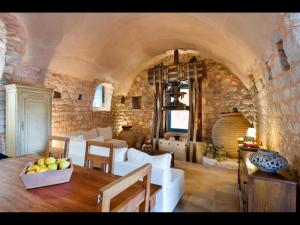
68 112
222 90
278 94
141 119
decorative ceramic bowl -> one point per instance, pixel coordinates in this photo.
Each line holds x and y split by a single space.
268 161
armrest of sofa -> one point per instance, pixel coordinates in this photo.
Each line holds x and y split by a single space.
177 175
158 176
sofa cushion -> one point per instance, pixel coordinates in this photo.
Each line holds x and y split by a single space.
90 134
99 138
117 143
161 161
106 132
74 133
138 157
77 138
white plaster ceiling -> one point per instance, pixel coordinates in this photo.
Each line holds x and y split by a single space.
117 46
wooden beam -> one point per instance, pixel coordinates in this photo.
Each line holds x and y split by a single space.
154 122
191 119
199 131
195 109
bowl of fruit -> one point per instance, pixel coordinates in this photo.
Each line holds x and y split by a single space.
47 171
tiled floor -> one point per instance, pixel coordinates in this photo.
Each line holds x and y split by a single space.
208 189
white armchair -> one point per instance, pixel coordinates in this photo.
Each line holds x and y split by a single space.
171 179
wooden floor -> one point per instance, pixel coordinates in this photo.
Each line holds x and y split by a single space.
208 189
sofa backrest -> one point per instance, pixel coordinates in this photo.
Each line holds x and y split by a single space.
158 161
80 134
161 171
106 132
159 176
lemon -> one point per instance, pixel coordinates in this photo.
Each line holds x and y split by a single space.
52 167
33 168
59 161
30 172
43 166
64 164
43 170
41 161
50 160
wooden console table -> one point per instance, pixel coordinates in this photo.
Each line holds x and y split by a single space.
262 191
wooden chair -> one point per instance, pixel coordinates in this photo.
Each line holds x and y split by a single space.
91 160
140 202
57 152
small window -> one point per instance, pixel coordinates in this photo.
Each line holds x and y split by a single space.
99 97
102 98
179 119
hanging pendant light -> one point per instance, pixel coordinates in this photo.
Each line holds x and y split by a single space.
173 92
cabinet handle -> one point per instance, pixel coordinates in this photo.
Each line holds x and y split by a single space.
22 125
245 182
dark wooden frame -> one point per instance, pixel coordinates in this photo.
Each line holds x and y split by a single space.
90 159
50 150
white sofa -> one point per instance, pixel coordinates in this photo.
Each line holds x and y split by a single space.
171 179
78 142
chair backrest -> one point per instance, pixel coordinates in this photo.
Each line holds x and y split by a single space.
91 160
55 151
133 203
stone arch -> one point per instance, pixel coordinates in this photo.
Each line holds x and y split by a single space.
222 91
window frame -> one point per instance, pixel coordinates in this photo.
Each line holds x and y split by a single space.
177 130
103 98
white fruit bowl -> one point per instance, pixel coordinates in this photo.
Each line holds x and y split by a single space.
47 178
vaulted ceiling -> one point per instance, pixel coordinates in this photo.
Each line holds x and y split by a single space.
117 46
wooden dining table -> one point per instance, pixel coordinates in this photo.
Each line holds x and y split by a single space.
77 195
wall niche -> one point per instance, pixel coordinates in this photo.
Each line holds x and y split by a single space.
136 102
56 94
282 56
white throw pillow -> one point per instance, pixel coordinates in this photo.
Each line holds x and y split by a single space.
77 138
106 132
138 157
161 161
90 134
74 133
100 138
120 154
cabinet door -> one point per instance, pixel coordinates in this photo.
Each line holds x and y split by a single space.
36 122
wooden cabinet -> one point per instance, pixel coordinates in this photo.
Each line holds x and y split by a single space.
28 119
265 192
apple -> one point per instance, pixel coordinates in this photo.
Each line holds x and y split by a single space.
50 160
52 167
64 164
41 161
